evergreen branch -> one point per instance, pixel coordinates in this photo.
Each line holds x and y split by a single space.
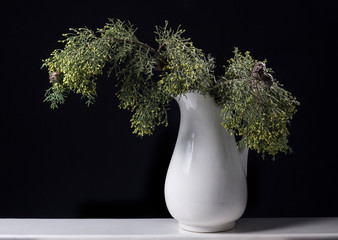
162 61
253 105
141 44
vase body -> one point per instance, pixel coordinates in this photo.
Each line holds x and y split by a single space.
205 187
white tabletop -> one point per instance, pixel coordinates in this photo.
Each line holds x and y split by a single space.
247 228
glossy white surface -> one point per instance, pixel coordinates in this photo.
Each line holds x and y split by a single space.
165 229
205 187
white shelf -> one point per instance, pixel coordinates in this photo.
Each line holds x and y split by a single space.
90 229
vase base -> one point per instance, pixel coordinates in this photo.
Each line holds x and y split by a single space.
208 229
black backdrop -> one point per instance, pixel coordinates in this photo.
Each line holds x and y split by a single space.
85 162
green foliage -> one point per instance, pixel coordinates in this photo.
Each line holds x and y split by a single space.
252 109
187 68
56 95
147 79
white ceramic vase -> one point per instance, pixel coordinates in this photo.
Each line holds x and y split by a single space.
205 188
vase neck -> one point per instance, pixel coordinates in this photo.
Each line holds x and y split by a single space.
197 104
200 116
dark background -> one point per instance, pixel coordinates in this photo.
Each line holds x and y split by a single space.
77 162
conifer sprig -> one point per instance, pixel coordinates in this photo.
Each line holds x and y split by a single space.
253 104
257 110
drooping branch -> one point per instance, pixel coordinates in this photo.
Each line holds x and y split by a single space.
146 47
253 104
141 44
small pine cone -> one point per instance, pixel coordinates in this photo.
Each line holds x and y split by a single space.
259 73
258 70
267 79
55 77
